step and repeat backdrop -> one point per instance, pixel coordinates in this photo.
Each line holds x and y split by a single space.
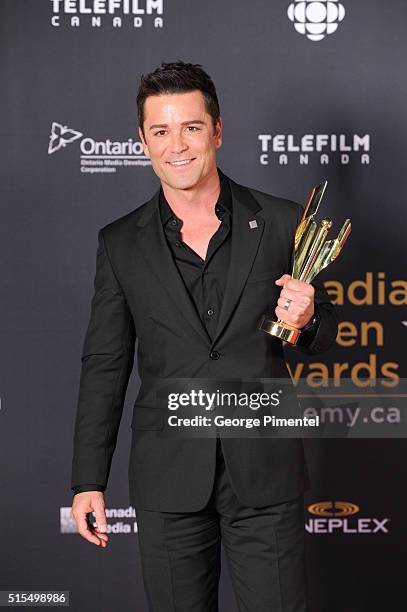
308 91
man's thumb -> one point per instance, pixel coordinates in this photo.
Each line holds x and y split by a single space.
283 279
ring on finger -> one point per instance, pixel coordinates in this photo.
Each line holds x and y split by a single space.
287 304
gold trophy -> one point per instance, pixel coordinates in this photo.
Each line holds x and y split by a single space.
312 253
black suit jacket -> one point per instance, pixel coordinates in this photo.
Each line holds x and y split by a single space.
139 294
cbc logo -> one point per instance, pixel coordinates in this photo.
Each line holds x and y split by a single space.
316 19
336 508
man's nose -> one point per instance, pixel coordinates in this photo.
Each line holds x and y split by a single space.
178 143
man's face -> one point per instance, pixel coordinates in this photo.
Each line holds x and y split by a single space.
180 138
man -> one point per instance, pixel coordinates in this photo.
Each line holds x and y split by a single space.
189 274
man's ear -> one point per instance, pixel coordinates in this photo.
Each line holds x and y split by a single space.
145 147
218 133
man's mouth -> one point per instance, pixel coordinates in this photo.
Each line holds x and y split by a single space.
181 162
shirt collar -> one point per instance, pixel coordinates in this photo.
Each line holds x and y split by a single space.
223 204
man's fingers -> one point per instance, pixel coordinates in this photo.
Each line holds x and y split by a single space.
83 504
100 527
84 530
283 279
101 522
295 285
296 300
301 286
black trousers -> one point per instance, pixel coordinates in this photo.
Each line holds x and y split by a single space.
180 553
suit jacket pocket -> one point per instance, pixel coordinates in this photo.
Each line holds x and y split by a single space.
147 417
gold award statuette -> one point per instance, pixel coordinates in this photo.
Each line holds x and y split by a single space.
312 253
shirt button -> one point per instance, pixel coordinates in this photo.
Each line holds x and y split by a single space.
174 221
210 311
214 355
178 244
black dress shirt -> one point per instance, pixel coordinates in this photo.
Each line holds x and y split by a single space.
204 279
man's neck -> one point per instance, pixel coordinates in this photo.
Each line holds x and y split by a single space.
199 201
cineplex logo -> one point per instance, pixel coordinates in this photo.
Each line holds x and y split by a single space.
113 13
324 149
98 156
316 19
332 517
338 517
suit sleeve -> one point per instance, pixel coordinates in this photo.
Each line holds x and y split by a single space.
322 336
107 362
87 487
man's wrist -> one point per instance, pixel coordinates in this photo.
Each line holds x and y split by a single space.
313 323
309 331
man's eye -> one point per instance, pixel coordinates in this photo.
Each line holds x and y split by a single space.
193 128
159 133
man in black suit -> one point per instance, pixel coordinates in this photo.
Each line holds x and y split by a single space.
189 274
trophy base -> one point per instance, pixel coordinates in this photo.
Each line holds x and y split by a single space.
280 329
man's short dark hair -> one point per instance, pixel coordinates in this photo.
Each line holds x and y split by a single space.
178 77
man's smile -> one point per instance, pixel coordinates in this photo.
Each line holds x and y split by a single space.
181 162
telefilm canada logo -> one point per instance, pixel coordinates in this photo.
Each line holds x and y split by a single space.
98 156
315 20
111 13
304 149
329 517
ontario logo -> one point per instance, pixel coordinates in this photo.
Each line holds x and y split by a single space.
339 517
316 19
60 136
98 156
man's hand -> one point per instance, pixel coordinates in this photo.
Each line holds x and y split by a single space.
83 503
299 297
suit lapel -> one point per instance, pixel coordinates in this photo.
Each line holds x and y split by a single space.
244 247
247 231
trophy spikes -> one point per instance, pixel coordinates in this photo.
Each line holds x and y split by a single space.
312 253
306 230
329 252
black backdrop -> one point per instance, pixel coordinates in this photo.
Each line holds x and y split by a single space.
295 110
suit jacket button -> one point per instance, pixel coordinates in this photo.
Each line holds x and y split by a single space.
214 355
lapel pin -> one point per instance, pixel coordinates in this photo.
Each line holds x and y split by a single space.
253 224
